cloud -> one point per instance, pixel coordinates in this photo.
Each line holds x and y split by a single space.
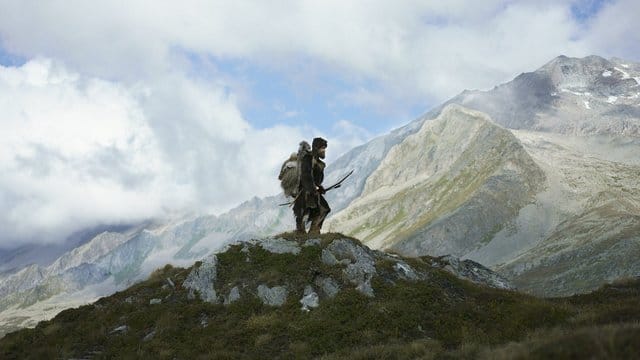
422 49
78 151
613 30
73 151
348 136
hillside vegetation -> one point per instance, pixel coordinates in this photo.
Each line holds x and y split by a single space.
414 308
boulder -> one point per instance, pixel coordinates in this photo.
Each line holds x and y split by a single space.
310 299
201 280
275 296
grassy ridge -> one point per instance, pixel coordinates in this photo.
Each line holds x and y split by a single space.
438 318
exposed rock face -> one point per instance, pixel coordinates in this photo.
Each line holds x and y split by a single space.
202 279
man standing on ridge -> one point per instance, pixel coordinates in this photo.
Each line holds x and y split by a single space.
310 200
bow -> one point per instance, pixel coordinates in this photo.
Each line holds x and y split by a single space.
334 186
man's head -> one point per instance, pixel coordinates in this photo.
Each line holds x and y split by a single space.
319 146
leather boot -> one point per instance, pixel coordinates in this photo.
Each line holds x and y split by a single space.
315 227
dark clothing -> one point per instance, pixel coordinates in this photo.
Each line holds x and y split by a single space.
310 201
311 173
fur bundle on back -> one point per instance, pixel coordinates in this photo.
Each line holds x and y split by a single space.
290 172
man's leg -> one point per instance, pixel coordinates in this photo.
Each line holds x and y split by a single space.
299 208
319 216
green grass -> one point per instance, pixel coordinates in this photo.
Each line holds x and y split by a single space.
442 317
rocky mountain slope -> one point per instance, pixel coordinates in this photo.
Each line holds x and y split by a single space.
445 189
583 230
331 297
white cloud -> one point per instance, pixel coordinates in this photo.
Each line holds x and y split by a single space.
614 31
78 151
423 49
74 151
348 136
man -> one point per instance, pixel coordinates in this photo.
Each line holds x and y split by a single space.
310 200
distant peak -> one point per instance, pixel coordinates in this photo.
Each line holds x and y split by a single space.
563 60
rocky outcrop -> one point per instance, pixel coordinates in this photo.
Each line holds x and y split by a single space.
202 280
317 270
472 271
359 260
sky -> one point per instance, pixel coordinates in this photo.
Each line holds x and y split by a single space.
115 112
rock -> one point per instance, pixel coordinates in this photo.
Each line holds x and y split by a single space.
234 295
204 321
328 286
345 249
155 301
475 272
310 299
170 282
275 296
361 277
311 242
149 336
202 279
405 271
280 246
130 300
361 267
328 258
122 329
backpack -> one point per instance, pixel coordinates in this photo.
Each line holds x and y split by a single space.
290 172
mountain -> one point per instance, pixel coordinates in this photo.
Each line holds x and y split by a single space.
444 189
332 297
12 260
536 178
584 229
572 96
557 213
